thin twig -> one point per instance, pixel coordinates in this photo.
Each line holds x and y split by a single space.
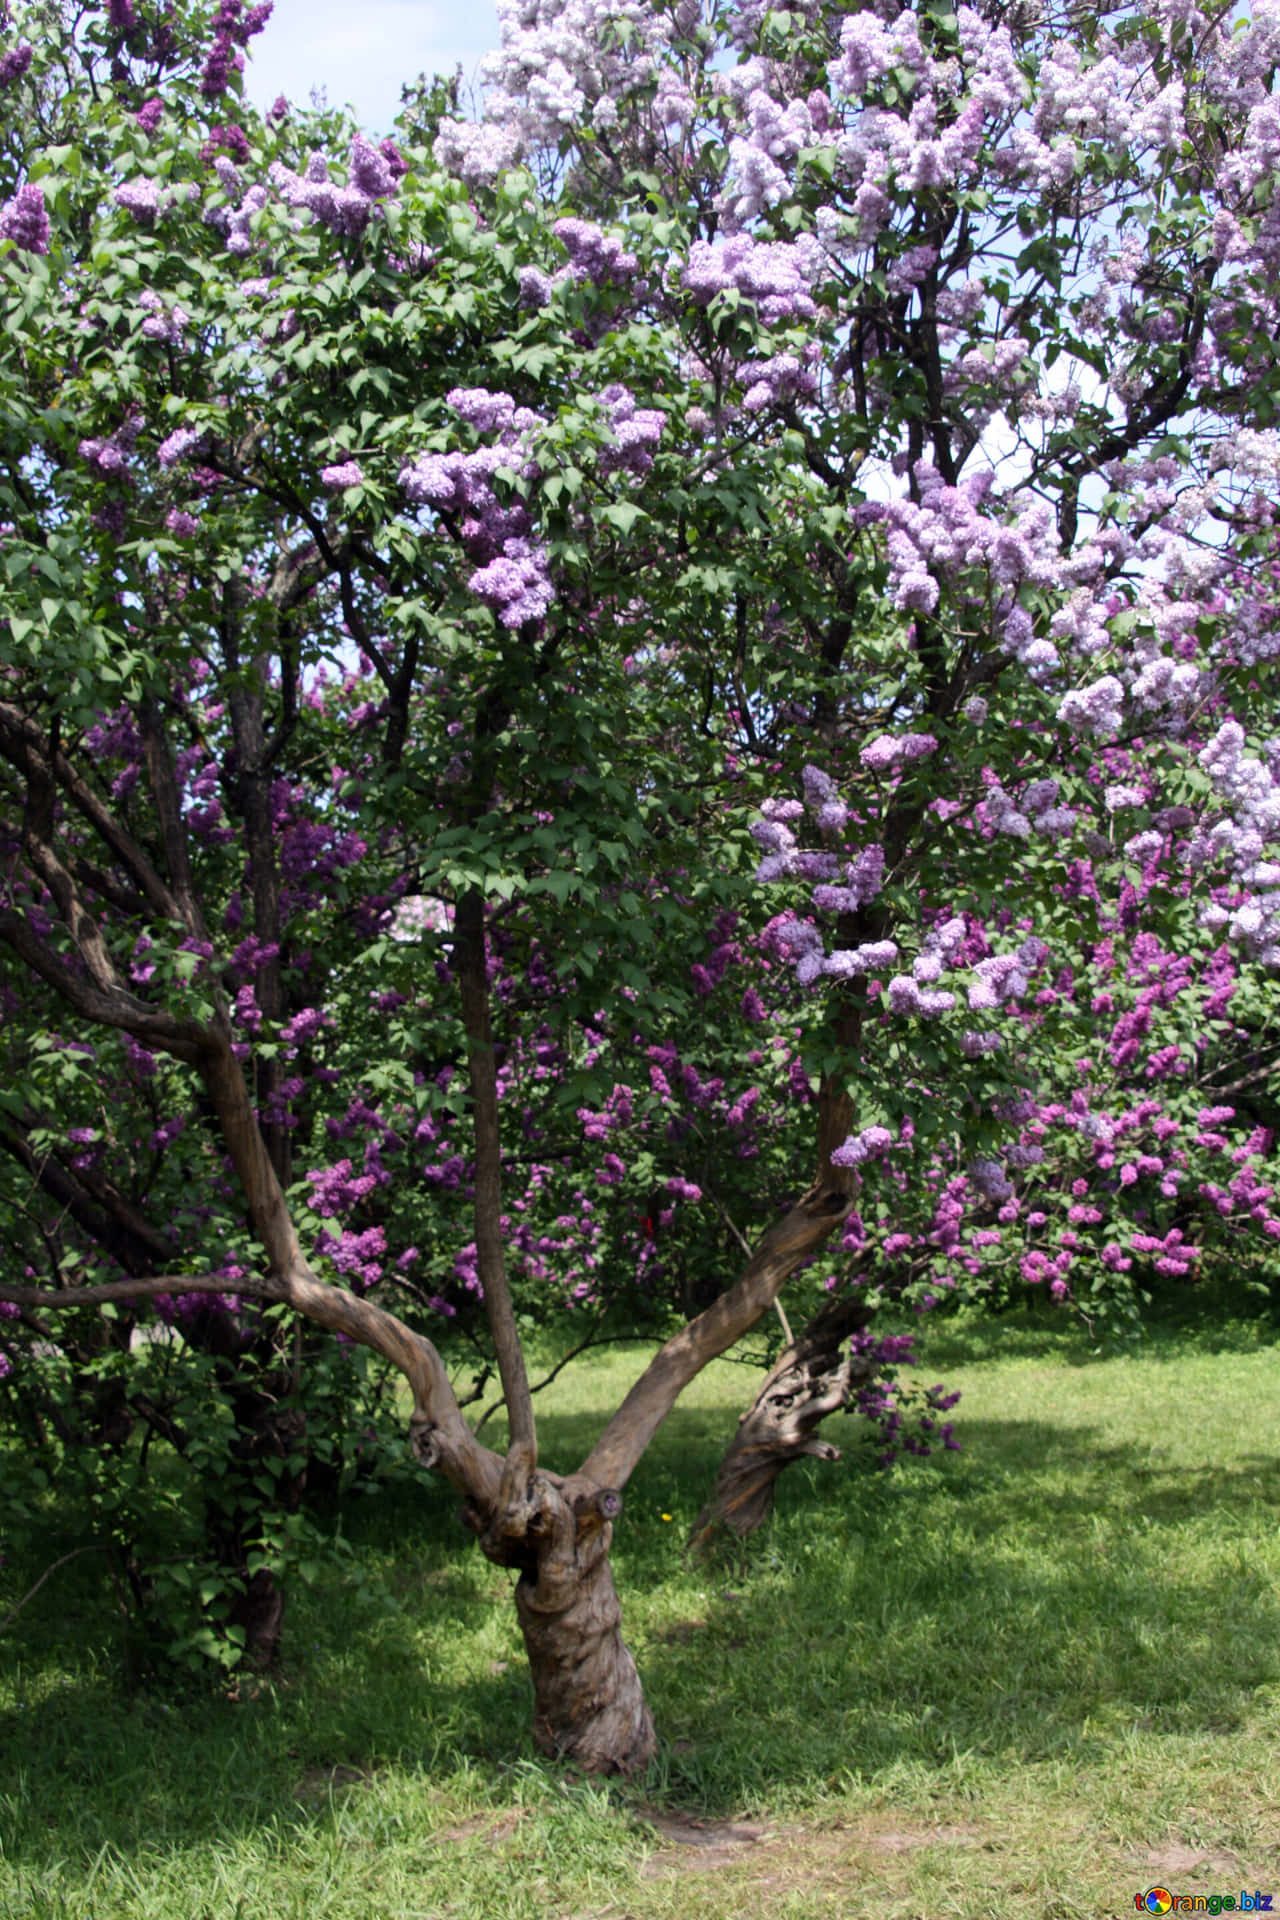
609 1340
745 1244
96 1546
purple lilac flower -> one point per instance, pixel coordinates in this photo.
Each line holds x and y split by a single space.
161 323
515 585
593 254
485 411
989 1178
25 221
230 139
371 170
888 749
871 1142
181 442
15 63
873 956
341 477
141 198
150 114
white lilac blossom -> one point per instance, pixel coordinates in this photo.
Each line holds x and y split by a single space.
477 154
560 62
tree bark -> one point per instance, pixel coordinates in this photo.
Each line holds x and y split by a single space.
589 1705
816 1374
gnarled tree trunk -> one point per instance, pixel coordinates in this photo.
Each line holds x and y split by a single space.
816 1374
588 1703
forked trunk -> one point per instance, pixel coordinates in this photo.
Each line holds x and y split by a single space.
588 1704
815 1375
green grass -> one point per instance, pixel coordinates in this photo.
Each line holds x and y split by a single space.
1030 1679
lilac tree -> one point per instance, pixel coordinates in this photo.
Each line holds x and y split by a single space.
424 565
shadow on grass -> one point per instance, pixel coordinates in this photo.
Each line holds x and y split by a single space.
1038 1597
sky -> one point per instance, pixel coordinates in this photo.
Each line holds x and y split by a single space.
361 51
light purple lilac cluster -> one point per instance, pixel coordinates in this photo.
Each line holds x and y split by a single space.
944 534
775 275
1036 811
635 432
25 220
917 992
512 575
347 210
162 323
108 456
179 445
782 378
1245 840
145 199
891 750
872 1143
594 254
338 478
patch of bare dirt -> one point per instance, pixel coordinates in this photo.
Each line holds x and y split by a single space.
682 1630
482 1826
694 1844
317 1782
1174 1859
697 1845
896 1841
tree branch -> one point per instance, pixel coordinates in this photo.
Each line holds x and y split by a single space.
783 1248
106 1006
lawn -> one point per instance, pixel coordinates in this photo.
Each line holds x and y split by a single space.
1034 1678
